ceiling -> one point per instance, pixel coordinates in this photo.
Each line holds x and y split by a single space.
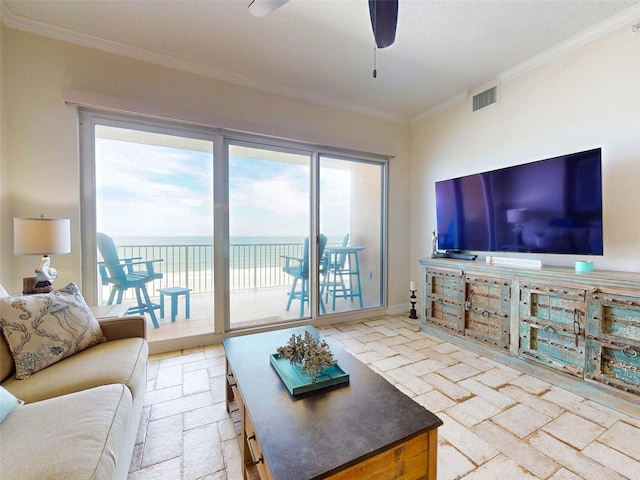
323 50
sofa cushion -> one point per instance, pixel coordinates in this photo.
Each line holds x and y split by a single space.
118 361
6 360
45 328
76 436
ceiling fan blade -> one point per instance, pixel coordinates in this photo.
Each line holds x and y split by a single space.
384 19
260 8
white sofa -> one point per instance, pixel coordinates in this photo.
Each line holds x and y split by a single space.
81 414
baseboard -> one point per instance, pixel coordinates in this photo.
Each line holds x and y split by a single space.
398 309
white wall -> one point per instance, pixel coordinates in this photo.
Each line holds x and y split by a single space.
40 140
587 98
3 175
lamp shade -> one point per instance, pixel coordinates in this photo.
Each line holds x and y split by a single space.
41 236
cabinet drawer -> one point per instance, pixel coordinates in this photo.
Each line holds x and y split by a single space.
236 395
444 314
490 328
235 404
552 347
552 327
614 363
443 300
614 317
444 284
255 449
493 294
487 310
406 461
551 304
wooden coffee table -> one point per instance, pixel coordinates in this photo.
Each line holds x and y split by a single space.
367 429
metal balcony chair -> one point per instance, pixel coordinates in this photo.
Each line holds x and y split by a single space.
125 273
299 269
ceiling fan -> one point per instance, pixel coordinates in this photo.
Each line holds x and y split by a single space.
383 13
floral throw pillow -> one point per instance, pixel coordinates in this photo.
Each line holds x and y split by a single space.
43 329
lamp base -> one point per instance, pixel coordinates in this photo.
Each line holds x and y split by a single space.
29 286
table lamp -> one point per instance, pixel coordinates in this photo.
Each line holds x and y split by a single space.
41 236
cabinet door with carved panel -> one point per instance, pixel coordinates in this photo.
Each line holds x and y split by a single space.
613 340
487 310
552 327
444 296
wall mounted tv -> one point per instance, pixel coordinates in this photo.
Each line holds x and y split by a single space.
548 206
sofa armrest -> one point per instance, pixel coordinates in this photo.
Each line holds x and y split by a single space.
115 328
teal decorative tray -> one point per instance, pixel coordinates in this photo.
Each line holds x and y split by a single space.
298 382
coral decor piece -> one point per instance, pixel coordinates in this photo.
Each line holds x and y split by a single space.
310 353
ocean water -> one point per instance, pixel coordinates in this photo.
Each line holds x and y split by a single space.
203 240
195 253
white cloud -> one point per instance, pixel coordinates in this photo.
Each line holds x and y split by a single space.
146 190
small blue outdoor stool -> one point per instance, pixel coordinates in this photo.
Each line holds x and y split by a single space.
174 293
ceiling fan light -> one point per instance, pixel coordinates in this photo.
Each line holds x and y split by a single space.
260 8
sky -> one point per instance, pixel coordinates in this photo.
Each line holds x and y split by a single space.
152 190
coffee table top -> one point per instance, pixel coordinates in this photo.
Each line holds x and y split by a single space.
318 433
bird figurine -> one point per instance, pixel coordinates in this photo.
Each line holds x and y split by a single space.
45 274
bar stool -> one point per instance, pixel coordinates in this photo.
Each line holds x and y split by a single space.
343 262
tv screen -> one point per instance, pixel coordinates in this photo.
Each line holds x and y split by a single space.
548 206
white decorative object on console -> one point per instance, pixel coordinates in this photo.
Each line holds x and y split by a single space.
515 262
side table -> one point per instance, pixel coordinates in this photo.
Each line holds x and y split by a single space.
174 293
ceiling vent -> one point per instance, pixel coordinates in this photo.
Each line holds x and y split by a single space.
486 98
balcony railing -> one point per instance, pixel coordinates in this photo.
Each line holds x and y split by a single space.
191 266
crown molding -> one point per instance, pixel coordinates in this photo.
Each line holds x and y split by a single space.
31 26
452 102
617 21
623 18
90 41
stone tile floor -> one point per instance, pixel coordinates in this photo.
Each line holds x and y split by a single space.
499 423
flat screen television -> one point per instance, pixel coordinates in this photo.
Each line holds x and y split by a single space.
548 206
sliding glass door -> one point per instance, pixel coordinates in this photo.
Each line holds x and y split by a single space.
295 233
351 200
154 203
270 278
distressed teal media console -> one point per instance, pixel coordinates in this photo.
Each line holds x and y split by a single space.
584 326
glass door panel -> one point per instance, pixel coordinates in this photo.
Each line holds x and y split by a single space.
269 224
154 199
351 209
